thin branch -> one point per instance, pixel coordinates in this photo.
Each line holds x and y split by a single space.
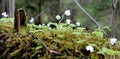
61 19
68 51
115 3
42 43
91 18
4 38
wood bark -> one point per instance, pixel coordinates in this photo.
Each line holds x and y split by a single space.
2 7
17 21
114 6
22 16
11 8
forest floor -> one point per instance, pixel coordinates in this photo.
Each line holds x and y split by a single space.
61 41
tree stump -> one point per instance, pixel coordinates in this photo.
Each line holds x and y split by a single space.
17 20
20 19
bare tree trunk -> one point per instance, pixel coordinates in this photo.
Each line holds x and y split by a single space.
2 6
114 5
11 8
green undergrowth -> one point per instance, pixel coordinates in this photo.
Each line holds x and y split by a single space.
61 41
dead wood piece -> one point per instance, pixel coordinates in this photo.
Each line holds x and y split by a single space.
17 21
22 17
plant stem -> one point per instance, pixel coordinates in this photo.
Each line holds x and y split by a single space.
61 18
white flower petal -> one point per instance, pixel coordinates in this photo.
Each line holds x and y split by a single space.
113 41
78 23
31 20
4 14
58 17
90 48
67 13
43 24
48 24
68 21
39 25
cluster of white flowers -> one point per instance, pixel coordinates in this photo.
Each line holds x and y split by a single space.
78 23
113 41
4 14
68 21
32 20
90 48
67 13
58 17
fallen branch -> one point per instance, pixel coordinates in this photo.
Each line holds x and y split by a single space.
48 50
68 51
4 38
89 16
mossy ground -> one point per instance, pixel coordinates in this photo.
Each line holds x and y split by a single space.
43 42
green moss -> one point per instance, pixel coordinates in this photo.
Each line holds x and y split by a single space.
65 42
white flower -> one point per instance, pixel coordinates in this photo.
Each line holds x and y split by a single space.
78 23
43 24
58 17
113 41
68 21
39 25
31 20
90 48
48 24
67 13
4 14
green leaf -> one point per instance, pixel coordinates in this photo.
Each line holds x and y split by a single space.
60 36
109 51
98 33
38 47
